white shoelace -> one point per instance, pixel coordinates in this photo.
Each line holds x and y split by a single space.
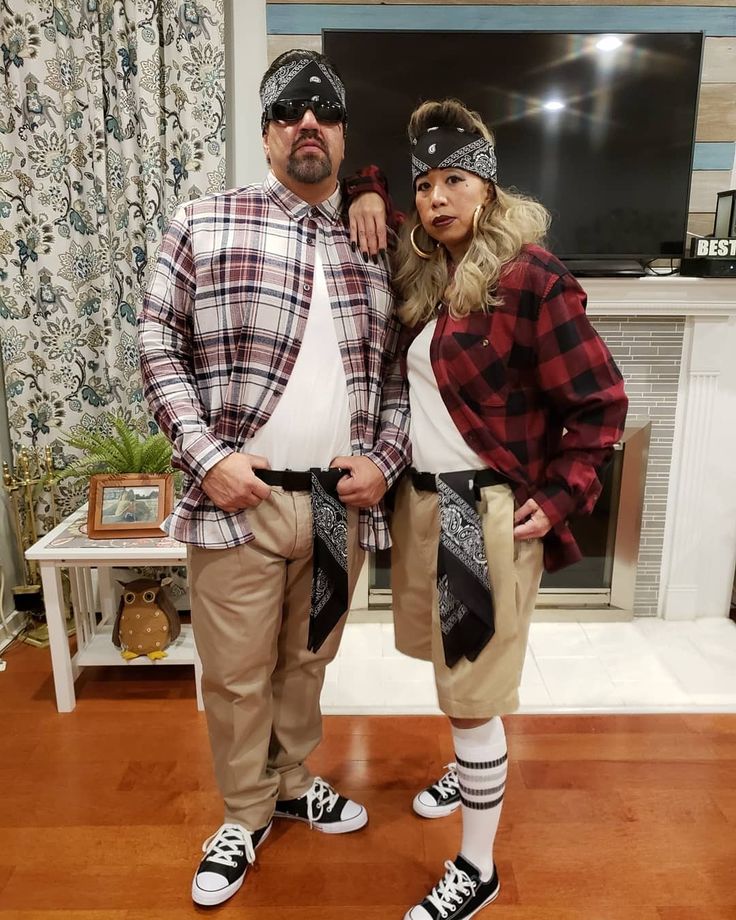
450 892
320 798
229 841
448 785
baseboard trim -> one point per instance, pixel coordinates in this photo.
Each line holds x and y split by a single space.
581 615
541 615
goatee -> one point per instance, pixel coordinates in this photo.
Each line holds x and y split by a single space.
310 168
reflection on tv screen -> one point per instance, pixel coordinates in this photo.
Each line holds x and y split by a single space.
598 127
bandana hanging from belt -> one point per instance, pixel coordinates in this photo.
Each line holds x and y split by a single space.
330 593
465 599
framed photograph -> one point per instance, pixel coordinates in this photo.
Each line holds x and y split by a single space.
128 504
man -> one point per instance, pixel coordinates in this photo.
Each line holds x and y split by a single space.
265 347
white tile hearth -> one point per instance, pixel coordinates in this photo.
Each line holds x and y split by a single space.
646 665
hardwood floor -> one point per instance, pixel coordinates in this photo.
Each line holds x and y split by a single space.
104 809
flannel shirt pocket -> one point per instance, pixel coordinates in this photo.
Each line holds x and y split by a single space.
482 375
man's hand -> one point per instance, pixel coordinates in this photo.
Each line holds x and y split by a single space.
367 216
366 484
536 523
232 485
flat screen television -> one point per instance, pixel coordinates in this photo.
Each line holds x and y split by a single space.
599 127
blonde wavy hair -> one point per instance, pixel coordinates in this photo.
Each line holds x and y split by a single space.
507 222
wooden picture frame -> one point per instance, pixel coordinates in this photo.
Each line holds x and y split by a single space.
128 504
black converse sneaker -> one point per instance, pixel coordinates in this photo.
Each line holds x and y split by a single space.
228 853
441 798
324 809
460 894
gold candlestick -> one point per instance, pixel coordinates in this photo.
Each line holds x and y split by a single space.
11 487
33 471
30 532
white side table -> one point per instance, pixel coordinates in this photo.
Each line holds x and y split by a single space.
66 546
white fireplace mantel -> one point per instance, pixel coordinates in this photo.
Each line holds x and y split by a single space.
699 551
663 296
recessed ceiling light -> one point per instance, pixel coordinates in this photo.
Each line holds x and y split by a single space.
609 43
554 105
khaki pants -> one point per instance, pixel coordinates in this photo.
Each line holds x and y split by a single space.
488 686
261 686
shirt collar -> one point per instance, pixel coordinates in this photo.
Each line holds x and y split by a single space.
297 208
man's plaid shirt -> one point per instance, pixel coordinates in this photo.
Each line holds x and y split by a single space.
220 331
533 390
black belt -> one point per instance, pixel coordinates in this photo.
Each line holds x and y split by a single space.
427 482
296 480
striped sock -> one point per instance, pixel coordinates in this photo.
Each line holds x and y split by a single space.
482 760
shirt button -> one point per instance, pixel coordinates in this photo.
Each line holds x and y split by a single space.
485 342
307 287
314 212
310 241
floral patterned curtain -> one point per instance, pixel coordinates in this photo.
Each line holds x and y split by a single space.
111 114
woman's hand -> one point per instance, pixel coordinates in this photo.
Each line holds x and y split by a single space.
367 216
535 521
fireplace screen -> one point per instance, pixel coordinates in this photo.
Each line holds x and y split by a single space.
608 538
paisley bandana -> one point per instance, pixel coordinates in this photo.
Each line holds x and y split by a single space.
444 148
463 585
330 594
303 79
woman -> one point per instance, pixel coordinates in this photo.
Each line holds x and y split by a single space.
126 507
515 406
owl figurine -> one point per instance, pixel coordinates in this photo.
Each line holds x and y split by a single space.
147 621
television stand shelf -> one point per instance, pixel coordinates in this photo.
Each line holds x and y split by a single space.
605 268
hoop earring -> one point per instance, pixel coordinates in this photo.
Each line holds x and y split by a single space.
415 246
476 218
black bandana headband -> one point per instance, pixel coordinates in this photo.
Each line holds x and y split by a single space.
303 79
445 148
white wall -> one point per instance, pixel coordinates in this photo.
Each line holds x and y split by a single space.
246 62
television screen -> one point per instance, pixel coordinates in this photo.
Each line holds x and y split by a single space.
598 127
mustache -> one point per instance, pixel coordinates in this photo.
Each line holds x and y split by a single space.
308 136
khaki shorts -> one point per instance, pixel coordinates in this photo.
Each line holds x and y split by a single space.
488 686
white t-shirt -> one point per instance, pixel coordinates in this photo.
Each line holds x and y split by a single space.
311 422
437 446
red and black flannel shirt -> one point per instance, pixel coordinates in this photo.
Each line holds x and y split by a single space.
533 390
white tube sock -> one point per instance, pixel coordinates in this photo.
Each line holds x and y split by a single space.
482 758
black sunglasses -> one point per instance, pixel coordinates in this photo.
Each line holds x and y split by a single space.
290 111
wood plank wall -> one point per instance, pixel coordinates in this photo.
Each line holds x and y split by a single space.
716 124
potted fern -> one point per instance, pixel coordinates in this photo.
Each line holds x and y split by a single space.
123 451
131 480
